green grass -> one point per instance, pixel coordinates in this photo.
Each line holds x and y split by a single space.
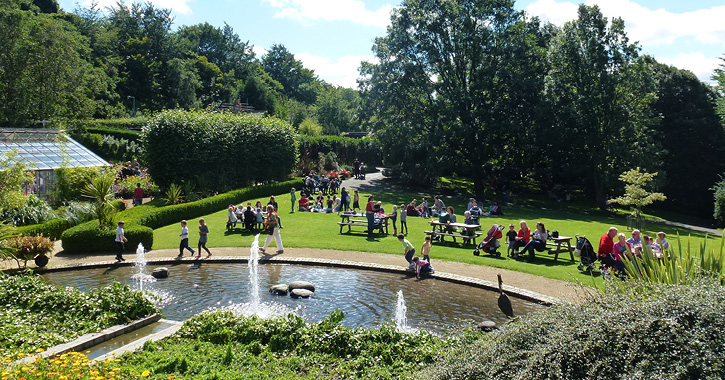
313 230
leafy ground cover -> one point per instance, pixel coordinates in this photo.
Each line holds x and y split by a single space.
315 230
36 315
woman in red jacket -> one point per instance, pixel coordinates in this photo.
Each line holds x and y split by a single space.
523 237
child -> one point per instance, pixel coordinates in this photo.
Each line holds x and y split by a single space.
184 240
511 238
408 249
394 218
403 220
421 266
293 198
662 243
356 202
203 234
425 211
120 239
425 249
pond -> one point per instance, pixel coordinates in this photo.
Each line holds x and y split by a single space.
368 298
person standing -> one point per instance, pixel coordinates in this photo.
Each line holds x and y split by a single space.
184 240
203 236
345 197
356 168
370 215
274 204
356 201
293 198
120 239
408 249
403 221
272 227
138 195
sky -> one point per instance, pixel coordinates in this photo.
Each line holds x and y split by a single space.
332 37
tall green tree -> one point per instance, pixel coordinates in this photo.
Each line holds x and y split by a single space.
337 110
297 82
600 95
457 86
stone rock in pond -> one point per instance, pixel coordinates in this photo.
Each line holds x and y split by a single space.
301 285
487 326
301 293
161 272
280 289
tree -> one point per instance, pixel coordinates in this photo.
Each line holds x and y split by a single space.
719 195
337 109
457 86
719 77
600 95
14 174
635 191
297 81
692 138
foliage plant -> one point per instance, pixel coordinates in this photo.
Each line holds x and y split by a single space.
14 173
680 265
633 330
174 195
52 228
28 247
34 211
309 127
69 182
228 150
7 232
719 195
71 365
110 147
100 191
39 315
635 191
127 185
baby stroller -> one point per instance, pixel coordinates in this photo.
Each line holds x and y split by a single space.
585 251
490 243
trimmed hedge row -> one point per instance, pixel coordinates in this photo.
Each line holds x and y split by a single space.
347 149
51 228
115 125
141 220
222 151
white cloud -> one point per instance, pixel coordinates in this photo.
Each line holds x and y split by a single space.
176 6
648 26
307 11
341 72
259 51
698 63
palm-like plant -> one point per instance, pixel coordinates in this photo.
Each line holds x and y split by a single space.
174 195
100 191
7 251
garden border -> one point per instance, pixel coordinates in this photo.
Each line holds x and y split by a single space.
520 293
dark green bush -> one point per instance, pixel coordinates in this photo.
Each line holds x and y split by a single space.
34 211
637 332
120 128
38 315
347 149
51 229
221 151
70 181
719 211
109 147
87 237
119 205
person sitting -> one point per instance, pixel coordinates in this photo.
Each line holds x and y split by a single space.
438 206
475 211
422 266
231 217
250 217
451 220
330 205
468 231
604 252
259 219
495 210
538 243
636 239
410 210
662 244
303 204
621 248
325 184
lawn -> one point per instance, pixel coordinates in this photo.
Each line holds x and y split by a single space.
315 230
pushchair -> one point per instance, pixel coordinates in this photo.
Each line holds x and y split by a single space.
585 251
490 243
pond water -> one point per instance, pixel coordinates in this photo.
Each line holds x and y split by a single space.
368 298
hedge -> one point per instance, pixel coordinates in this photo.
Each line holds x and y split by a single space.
51 228
218 151
143 219
366 149
113 125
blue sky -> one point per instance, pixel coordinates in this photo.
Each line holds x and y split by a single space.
333 36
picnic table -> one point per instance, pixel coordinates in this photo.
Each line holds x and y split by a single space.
557 247
438 229
347 220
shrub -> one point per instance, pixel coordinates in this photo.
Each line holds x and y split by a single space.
636 331
118 205
70 182
142 219
109 147
120 128
222 150
719 195
87 237
346 149
34 211
52 228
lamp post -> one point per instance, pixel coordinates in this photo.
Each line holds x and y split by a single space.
134 104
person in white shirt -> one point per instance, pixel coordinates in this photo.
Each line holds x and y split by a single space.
184 240
120 239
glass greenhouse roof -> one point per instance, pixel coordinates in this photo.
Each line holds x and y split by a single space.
47 149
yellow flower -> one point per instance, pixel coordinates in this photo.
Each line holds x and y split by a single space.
39 350
145 373
171 377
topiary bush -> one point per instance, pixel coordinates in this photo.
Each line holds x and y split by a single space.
632 331
223 151
87 237
52 228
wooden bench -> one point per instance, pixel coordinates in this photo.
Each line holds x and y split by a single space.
469 238
346 220
557 248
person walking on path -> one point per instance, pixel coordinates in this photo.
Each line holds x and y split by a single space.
184 240
203 236
138 195
120 239
272 227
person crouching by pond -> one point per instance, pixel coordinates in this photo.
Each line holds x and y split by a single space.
422 266
272 228
408 249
